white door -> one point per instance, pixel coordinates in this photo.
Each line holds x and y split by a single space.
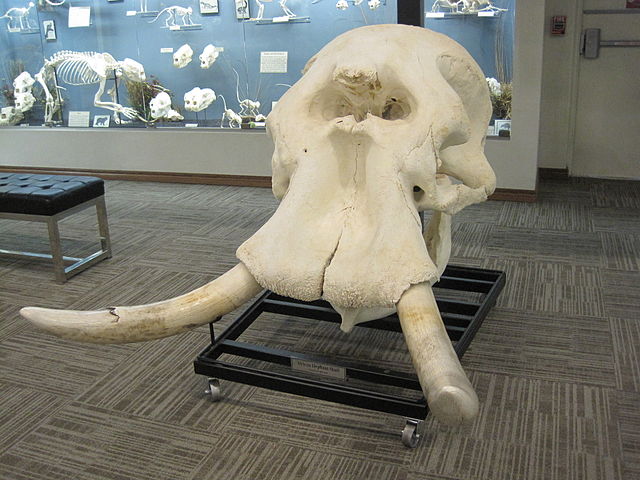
607 135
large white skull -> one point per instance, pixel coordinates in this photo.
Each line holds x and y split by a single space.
182 57
208 56
364 142
23 83
382 119
24 101
160 105
133 70
197 99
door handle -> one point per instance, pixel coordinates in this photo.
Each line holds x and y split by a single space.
590 43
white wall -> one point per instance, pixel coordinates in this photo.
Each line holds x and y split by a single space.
558 85
248 153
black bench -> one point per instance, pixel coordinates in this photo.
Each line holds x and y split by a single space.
49 199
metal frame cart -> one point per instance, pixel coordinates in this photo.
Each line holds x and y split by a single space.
462 319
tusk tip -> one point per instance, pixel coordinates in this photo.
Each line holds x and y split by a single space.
30 313
453 406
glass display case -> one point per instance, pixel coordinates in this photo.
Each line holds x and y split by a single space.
486 29
136 63
206 63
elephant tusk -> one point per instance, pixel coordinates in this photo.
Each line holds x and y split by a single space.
155 320
449 394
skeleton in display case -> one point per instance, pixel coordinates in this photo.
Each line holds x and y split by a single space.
372 4
182 57
160 107
249 109
465 7
449 5
283 5
18 19
87 68
173 13
208 56
198 99
364 141
232 118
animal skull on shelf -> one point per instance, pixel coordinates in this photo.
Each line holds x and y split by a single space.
10 116
182 57
23 83
24 101
197 99
364 141
160 107
208 56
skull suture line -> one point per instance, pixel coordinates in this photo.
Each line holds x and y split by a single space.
370 135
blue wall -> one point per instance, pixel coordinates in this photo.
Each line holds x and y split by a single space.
479 34
132 36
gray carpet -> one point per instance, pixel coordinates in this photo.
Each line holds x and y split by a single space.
556 364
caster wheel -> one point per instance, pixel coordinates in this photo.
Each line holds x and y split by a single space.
410 435
214 389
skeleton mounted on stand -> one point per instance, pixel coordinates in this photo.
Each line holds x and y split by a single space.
87 68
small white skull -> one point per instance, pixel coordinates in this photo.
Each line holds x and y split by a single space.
9 116
24 101
342 5
160 105
198 99
173 116
208 56
182 57
374 4
23 83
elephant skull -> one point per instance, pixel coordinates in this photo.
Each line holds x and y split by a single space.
381 119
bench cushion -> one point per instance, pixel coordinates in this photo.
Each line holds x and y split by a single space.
46 194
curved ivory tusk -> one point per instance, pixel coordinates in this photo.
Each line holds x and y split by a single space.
449 394
155 320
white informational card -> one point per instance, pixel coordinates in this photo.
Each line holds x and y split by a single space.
79 17
273 62
208 7
166 50
435 14
79 118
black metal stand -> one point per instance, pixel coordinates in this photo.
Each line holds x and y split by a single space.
462 319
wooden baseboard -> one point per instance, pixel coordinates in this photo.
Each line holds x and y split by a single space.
215 179
139 176
553 173
514 195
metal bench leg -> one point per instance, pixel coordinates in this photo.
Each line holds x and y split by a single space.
103 226
56 249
